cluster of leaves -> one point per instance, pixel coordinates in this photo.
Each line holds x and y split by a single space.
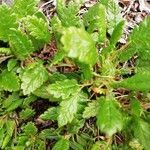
88 79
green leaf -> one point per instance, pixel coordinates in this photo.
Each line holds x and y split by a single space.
139 43
28 100
8 20
78 44
10 126
5 51
33 77
99 144
95 19
87 71
30 129
59 56
38 28
25 7
136 108
9 81
27 113
91 110
140 39
20 44
50 114
11 64
141 132
12 102
117 33
113 14
68 14
109 118
63 88
138 82
2 135
68 109
62 144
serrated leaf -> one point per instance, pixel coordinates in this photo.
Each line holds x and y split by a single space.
2 131
30 129
12 102
9 81
26 113
109 118
78 44
5 51
141 132
139 43
11 64
95 19
63 88
25 7
59 56
28 100
68 14
8 20
33 77
113 14
75 126
140 39
117 33
138 82
50 114
10 126
68 109
62 144
91 110
21 45
38 28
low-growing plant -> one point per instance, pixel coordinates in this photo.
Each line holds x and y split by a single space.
67 83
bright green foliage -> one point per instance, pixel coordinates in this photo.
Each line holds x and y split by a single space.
141 132
4 50
136 108
28 100
63 89
8 20
21 44
109 118
68 109
30 129
26 113
9 81
99 144
12 102
68 13
33 77
95 19
11 64
138 82
23 8
10 126
113 14
64 83
62 144
38 28
91 110
79 44
50 114
139 44
117 33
